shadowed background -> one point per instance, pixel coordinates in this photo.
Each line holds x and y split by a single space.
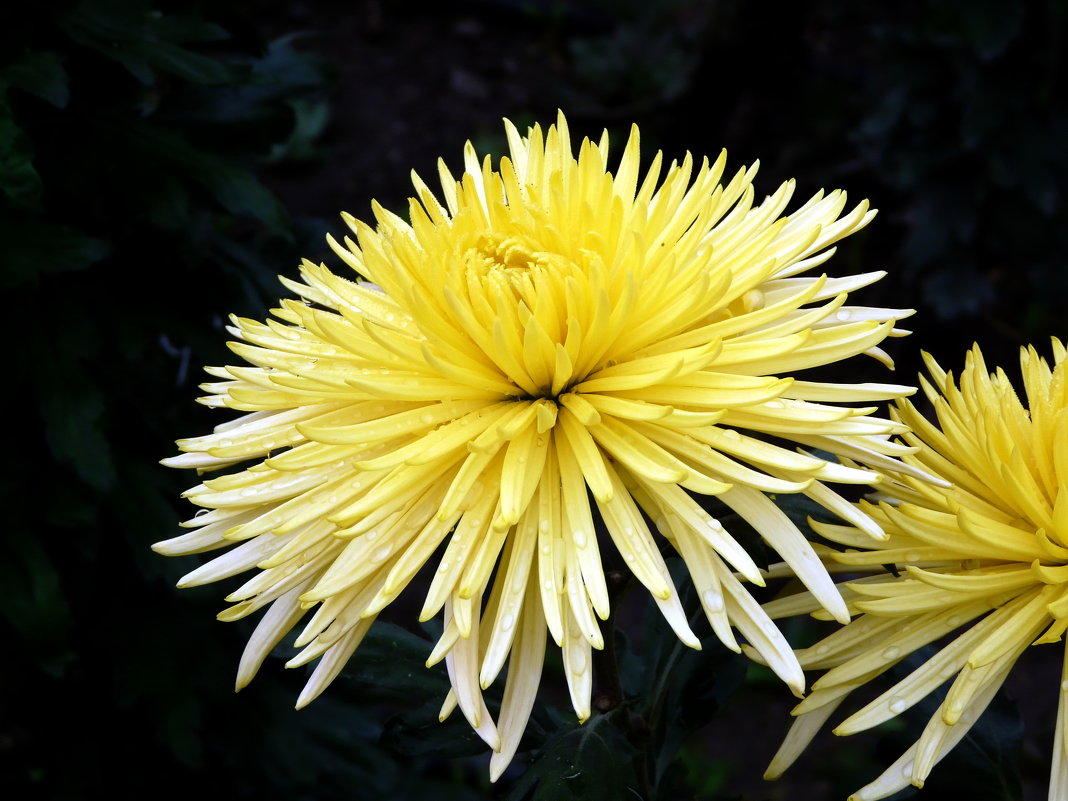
161 163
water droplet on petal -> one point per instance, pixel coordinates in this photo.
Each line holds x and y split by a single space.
713 601
898 705
844 316
893 652
577 661
580 538
507 622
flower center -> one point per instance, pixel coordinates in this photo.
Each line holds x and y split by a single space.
509 253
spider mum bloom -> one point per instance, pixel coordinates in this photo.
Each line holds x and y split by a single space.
547 344
983 566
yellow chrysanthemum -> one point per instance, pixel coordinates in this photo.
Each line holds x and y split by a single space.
983 554
552 333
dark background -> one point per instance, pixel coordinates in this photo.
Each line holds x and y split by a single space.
161 163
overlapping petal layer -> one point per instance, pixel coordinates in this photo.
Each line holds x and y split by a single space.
982 566
547 347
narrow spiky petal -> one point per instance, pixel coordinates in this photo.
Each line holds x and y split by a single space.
976 525
544 347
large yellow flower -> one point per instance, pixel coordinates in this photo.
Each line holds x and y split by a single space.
983 554
552 345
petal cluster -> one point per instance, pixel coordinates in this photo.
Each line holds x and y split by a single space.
982 566
543 350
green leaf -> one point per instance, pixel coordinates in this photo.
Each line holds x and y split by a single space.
31 594
35 249
393 660
235 187
18 177
586 762
310 119
145 41
40 73
419 732
75 435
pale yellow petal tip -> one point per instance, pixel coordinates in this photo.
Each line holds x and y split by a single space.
774 772
497 767
753 654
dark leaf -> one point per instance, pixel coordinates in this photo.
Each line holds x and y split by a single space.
40 73
588 762
18 178
35 249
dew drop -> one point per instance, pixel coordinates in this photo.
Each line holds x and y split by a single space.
226 443
893 652
1064 686
629 557
713 601
714 524
953 621
507 622
202 512
775 404
898 705
444 566
248 492
332 499
427 418
381 554
547 584
844 316
577 661
270 444
906 769
913 556
821 650
730 433
545 548
580 538
371 535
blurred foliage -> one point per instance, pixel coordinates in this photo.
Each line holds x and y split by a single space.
133 220
134 137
